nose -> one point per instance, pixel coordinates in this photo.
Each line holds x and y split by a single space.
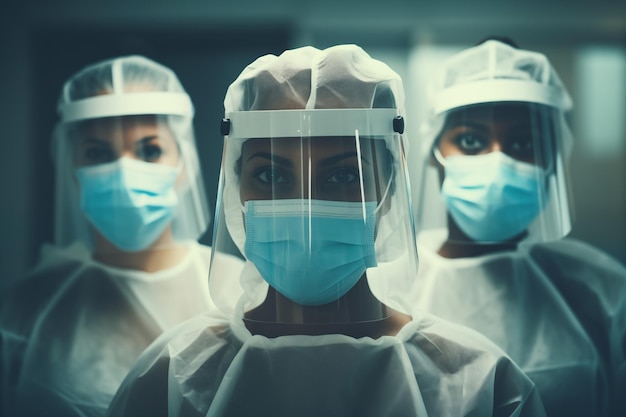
307 188
496 146
127 153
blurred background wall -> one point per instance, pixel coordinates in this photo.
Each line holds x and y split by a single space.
208 42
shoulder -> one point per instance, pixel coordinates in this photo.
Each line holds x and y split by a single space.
591 282
453 340
187 343
456 350
25 298
570 248
575 261
202 346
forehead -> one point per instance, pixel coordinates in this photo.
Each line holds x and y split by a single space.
111 127
500 114
313 146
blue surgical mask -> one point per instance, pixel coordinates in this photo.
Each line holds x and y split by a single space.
129 202
311 251
492 197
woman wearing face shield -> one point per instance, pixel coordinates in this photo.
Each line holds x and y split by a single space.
125 265
313 194
491 248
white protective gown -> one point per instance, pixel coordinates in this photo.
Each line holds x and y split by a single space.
557 308
72 329
212 366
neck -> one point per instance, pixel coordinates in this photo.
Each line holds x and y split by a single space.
161 254
459 245
358 314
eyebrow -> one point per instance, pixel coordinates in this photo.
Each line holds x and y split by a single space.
271 157
334 159
104 142
461 123
146 139
287 163
95 141
524 124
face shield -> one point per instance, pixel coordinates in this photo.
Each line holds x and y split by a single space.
316 201
495 148
128 177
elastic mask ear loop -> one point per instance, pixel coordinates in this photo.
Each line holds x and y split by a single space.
439 157
185 184
179 166
386 193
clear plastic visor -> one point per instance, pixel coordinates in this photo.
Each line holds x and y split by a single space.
128 184
315 217
499 171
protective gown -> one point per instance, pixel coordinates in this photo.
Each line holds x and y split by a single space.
213 365
72 329
557 308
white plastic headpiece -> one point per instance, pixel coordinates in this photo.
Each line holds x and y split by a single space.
495 72
342 76
131 85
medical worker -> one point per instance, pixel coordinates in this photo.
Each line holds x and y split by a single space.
491 247
314 194
125 265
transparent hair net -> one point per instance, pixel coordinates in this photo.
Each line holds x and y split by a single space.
306 96
116 93
497 77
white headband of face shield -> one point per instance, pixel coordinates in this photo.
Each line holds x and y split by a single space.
155 102
493 91
311 123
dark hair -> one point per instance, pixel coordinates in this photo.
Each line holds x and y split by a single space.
503 39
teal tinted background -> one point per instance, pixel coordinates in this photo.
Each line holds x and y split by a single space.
207 43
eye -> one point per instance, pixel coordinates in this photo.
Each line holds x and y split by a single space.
150 152
271 175
521 148
470 143
95 155
343 184
343 176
